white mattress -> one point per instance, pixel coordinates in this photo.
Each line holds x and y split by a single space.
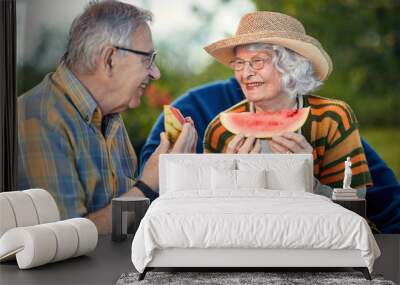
252 218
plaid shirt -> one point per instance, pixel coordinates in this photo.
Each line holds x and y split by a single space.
69 148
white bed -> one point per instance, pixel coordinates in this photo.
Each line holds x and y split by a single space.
219 210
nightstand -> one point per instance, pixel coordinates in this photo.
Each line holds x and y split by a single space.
358 206
127 212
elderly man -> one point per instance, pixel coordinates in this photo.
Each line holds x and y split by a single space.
72 140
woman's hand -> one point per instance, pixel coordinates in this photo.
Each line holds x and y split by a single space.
290 142
240 144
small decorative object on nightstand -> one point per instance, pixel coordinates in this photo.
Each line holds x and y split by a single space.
347 174
127 212
345 193
347 196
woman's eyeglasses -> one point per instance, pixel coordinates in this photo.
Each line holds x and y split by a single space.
256 63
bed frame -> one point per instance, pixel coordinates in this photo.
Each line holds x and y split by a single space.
243 259
240 259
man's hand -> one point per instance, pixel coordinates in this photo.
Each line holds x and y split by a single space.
186 143
102 219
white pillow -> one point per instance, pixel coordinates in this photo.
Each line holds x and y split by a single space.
184 175
285 174
294 180
251 178
223 179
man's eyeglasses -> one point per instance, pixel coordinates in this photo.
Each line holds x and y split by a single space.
150 56
255 63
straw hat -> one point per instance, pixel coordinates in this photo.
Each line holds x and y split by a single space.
273 28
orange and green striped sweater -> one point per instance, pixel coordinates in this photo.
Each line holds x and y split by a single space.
331 129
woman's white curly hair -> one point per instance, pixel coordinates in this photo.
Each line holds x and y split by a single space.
298 76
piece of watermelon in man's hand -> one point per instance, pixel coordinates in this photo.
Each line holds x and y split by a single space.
173 122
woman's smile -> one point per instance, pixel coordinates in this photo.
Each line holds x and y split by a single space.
253 85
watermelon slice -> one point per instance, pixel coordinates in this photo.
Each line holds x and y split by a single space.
264 124
173 122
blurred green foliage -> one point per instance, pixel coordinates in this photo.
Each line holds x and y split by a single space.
384 140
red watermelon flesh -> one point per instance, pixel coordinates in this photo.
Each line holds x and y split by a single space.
264 124
178 115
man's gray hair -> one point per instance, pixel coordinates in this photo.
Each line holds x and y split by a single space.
102 23
298 76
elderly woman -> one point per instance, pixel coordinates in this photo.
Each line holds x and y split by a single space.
279 66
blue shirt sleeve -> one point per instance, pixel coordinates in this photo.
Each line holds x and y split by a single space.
383 199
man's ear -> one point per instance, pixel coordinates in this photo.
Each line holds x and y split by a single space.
107 60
